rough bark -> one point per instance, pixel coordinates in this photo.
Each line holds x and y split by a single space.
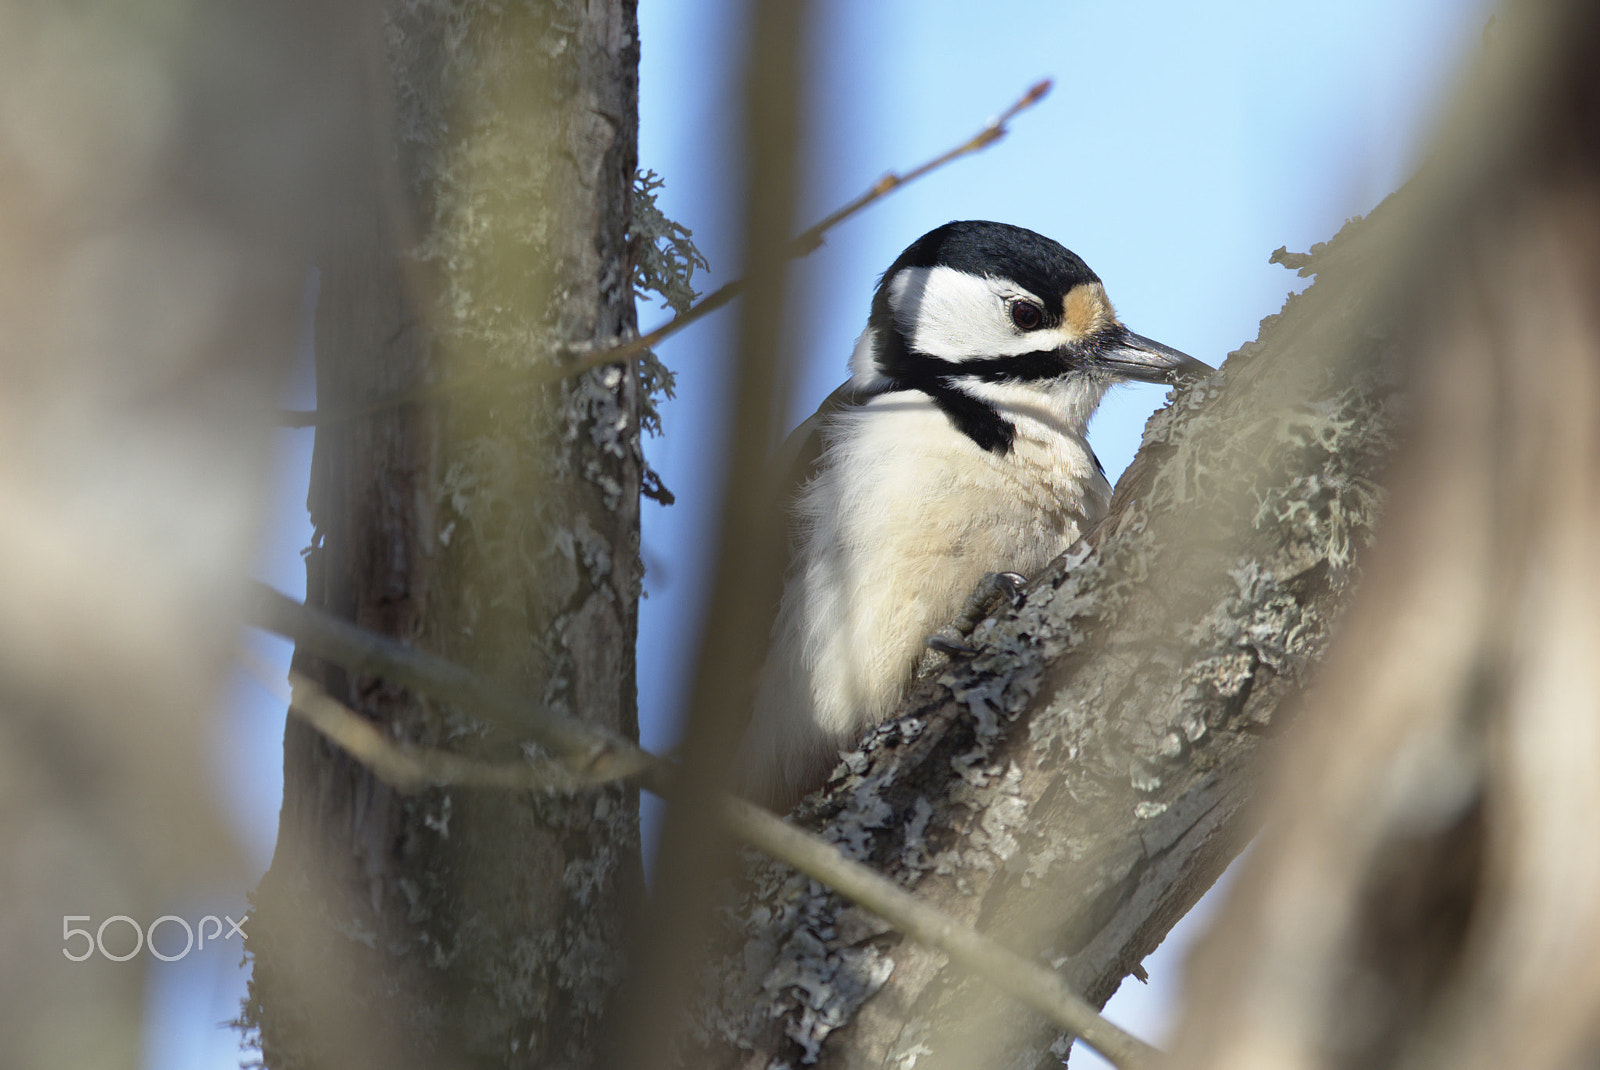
497 526
1076 786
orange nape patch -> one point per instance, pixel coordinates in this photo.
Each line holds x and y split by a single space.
1086 310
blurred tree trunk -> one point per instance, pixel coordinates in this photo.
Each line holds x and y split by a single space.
497 526
1429 896
165 168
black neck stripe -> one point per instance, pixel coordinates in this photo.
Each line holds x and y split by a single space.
1019 368
973 417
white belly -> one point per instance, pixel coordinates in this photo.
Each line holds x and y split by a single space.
904 518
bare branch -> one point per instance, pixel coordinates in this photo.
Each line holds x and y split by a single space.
407 767
801 245
992 132
592 754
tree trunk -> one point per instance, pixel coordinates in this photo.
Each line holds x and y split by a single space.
497 524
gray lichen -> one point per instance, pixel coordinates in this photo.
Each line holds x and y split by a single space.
665 259
664 254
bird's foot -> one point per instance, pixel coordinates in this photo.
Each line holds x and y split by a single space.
985 598
948 642
946 645
1014 585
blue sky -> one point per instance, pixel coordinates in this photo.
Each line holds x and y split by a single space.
1181 145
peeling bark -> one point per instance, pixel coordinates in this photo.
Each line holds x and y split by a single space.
497 526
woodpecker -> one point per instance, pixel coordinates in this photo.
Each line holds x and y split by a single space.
957 448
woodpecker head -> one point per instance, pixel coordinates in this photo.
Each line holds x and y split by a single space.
974 303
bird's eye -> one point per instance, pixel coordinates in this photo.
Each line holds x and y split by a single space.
1026 315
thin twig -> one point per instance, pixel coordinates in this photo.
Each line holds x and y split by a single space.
594 756
408 767
591 754
809 240
582 360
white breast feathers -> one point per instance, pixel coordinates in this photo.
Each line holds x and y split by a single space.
902 520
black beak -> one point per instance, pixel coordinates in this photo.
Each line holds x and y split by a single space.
1129 356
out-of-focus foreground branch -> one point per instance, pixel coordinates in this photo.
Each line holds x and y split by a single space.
412 769
1428 895
165 167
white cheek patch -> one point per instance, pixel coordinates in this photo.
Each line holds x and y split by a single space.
956 316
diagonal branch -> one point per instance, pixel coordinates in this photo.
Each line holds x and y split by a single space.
580 361
1020 976
591 755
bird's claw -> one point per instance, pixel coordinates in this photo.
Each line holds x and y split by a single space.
945 645
1014 585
